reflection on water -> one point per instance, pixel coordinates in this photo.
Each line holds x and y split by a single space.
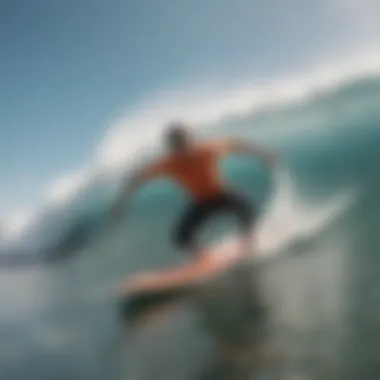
280 320
234 314
297 317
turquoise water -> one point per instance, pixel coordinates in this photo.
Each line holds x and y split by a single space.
319 277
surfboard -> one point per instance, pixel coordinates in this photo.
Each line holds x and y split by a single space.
148 290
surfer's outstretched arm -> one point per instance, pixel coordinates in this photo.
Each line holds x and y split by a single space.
243 147
132 183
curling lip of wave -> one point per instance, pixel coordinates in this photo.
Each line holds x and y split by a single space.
204 105
121 142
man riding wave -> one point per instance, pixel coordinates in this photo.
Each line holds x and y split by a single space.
194 166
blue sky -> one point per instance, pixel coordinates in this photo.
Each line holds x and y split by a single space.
70 67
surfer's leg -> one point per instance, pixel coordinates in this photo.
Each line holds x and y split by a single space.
199 212
185 233
246 215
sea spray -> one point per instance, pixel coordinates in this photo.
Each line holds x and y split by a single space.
290 216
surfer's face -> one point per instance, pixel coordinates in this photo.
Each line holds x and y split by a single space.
178 140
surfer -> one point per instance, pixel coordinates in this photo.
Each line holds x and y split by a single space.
193 165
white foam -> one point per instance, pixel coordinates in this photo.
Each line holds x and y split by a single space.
16 224
57 195
66 187
290 217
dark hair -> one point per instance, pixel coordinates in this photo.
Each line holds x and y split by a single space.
176 133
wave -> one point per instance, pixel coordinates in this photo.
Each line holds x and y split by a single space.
203 106
134 135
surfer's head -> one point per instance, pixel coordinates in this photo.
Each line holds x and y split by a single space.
178 138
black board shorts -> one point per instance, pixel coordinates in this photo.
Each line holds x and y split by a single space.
200 211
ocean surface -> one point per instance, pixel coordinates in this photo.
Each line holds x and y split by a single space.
317 265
